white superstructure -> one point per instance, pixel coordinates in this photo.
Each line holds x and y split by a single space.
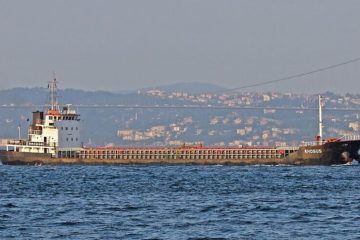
52 131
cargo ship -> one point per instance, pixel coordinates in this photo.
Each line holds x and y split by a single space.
54 138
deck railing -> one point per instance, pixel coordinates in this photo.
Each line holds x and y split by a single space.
350 138
311 143
340 139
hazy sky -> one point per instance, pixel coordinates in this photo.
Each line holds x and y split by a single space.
128 44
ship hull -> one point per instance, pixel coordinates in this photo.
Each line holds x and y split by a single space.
326 154
11 158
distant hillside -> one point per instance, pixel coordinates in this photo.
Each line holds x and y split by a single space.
191 87
162 125
39 96
23 96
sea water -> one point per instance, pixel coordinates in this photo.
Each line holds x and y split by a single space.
179 202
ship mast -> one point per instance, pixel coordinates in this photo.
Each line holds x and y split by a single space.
54 105
320 120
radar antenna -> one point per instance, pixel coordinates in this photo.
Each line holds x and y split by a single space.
54 105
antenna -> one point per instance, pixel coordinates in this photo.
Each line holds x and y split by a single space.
320 120
19 131
54 105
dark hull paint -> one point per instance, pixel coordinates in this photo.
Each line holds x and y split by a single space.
327 154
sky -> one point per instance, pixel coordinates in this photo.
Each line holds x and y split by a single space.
118 45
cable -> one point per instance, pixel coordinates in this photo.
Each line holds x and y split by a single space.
291 76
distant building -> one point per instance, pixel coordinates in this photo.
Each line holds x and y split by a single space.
266 98
354 126
264 122
187 120
214 121
289 131
212 133
124 133
175 128
158 129
225 121
235 143
237 121
248 129
241 131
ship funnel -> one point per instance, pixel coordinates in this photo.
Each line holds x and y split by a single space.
38 117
